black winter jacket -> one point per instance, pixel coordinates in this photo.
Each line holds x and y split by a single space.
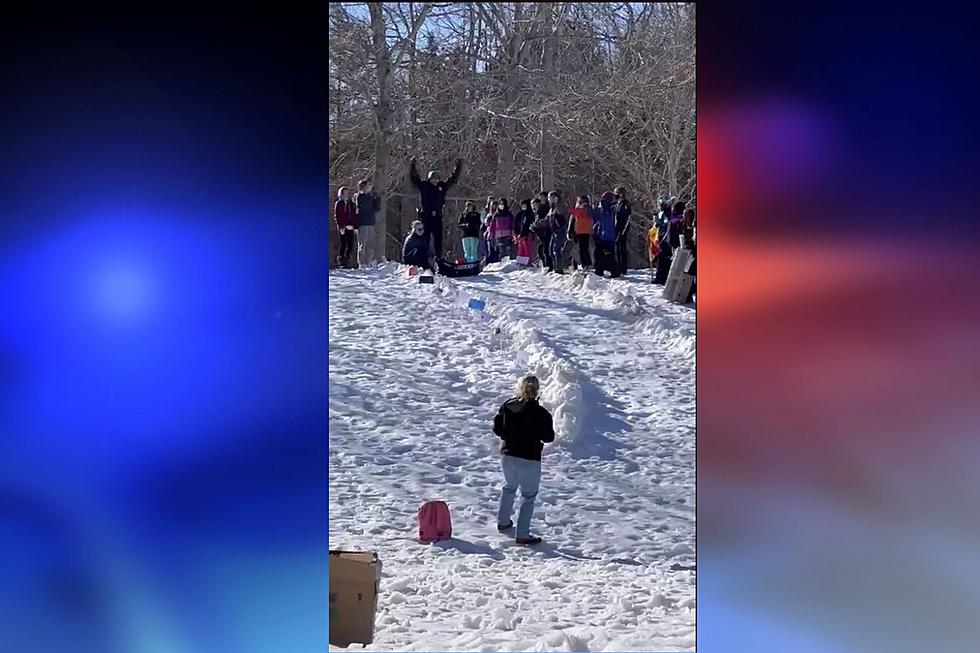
432 197
471 222
523 426
415 250
559 222
623 213
523 221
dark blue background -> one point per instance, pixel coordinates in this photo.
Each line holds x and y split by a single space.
163 333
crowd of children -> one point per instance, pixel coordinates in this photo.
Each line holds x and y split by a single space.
539 233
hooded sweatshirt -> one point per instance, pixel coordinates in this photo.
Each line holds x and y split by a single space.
524 426
345 213
604 227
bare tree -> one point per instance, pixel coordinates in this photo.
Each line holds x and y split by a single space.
577 96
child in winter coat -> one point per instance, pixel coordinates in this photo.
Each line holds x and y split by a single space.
653 244
416 248
541 228
345 215
502 229
522 230
624 213
604 231
487 241
580 229
559 234
470 224
367 203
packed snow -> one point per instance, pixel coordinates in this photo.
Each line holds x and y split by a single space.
415 379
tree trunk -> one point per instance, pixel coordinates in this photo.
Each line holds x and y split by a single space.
383 133
546 141
511 94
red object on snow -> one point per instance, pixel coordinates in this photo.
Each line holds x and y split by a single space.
434 522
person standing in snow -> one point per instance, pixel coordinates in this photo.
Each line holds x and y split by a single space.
345 215
470 224
690 242
666 251
524 426
416 249
580 230
366 201
559 235
432 198
523 238
491 246
623 213
604 230
541 228
501 229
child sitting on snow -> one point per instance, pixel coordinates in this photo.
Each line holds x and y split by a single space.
416 248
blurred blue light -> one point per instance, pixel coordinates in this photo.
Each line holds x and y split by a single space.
123 291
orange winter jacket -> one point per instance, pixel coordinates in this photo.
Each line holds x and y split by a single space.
582 219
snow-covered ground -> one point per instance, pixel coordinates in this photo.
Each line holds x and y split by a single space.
415 379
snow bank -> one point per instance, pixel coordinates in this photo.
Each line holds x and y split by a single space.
666 331
561 393
598 291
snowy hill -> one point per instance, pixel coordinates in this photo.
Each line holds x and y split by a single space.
415 379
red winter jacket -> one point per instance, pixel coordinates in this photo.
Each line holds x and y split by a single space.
345 213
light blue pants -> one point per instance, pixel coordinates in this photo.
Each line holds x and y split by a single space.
470 248
526 475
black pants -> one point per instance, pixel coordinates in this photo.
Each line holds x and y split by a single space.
605 259
584 257
433 228
663 266
544 251
348 245
418 261
621 253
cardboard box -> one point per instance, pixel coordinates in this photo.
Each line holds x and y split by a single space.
678 283
677 287
355 577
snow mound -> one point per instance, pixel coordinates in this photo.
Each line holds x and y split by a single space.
672 336
609 294
562 393
504 266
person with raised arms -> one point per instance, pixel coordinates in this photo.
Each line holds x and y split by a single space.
432 199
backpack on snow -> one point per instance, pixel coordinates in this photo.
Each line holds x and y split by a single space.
434 522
